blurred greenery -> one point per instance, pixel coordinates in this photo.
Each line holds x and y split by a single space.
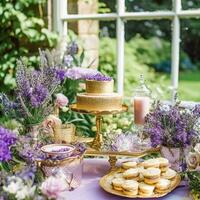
160 28
22 31
141 55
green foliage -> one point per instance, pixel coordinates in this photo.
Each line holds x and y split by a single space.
141 57
194 180
83 122
190 35
134 65
22 31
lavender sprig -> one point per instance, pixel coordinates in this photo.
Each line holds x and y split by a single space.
173 127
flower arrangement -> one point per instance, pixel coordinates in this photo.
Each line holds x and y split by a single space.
20 179
193 171
174 129
172 126
34 92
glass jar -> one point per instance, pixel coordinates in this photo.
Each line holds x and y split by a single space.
71 167
141 102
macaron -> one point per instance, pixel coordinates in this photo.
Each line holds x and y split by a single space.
169 174
131 173
130 187
164 169
163 184
117 183
151 181
151 173
163 162
145 189
129 164
151 163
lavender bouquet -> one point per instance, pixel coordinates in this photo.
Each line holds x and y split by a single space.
172 126
174 129
34 92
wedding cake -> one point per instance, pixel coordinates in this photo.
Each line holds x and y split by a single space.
99 95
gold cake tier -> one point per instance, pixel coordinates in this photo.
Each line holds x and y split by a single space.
99 87
108 102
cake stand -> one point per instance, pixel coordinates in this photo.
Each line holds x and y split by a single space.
94 148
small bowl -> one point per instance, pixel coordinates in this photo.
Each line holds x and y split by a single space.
63 150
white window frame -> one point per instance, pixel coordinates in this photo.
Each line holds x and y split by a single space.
61 18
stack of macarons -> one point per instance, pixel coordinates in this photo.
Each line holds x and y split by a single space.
144 178
146 190
130 187
151 175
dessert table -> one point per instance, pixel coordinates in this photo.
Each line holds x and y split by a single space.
94 169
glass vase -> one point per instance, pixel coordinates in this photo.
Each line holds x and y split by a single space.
176 156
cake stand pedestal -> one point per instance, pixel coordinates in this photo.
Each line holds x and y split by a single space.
97 142
94 148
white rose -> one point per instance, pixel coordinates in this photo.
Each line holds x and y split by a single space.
192 160
14 185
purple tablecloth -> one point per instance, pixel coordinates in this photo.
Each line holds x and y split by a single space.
94 169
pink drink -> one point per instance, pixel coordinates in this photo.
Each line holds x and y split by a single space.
141 109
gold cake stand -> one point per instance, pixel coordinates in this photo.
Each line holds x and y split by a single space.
94 148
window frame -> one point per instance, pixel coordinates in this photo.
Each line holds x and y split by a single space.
61 18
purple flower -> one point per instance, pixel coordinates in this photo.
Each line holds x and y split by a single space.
98 77
61 74
5 154
38 95
68 59
72 48
7 136
7 139
27 150
28 173
196 110
77 73
174 127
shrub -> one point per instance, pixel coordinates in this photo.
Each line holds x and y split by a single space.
22 32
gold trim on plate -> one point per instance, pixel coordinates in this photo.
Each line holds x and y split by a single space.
105 183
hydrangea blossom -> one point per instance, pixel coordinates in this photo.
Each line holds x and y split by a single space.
77 73
98 77
7 139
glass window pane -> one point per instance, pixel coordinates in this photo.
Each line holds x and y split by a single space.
148 52
99 42
190 4
150 5
189 80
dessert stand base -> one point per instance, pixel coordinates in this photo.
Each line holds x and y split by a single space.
94 144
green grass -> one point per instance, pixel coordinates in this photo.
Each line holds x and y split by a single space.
189 85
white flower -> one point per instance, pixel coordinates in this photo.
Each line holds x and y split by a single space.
192 160
65 109
14 185
165 108
25 192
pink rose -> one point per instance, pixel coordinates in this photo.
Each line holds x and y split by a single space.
51 122
52 187
61 100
